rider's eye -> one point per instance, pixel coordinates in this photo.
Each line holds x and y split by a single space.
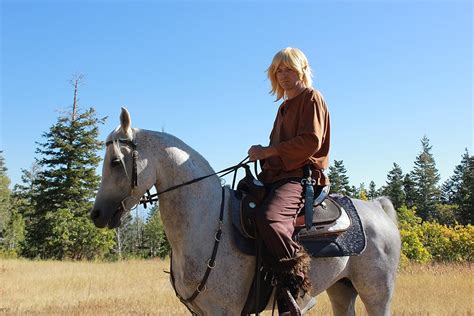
115 162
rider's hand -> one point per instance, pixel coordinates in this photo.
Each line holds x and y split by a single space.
258 152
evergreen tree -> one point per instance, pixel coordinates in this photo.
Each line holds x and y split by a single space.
456 191
4 197
394 186
353 192
60 226
154 235
372 194
23 197
426 177
339 179
467 213
409 190
448 189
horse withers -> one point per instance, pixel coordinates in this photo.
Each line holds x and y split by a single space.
136 160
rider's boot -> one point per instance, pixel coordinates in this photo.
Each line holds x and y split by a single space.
294 286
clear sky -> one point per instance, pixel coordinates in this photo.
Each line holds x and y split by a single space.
391 72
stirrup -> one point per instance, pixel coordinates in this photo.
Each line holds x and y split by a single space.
287 303
294 307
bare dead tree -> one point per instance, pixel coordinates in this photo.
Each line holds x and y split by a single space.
76 80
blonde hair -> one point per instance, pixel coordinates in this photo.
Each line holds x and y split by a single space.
294 59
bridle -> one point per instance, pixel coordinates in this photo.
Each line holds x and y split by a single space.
134 178
150 198
133 145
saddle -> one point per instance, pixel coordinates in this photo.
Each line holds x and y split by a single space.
328 216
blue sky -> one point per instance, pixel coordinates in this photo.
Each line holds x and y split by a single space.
391 72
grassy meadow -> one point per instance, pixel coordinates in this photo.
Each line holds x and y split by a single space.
141 287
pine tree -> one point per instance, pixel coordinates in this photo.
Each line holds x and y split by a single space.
426 177
456 191
60 226
26 192
451 190
372 194
467 214
339 179
4 197
23 202
394 186
154 235
409 190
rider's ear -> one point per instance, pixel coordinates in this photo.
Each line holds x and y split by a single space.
125 121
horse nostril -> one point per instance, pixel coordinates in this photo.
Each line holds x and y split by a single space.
95 214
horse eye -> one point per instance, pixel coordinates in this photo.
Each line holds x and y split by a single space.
115 162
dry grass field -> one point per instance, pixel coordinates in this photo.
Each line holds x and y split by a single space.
141 287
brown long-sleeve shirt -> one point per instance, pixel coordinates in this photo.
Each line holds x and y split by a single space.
301 135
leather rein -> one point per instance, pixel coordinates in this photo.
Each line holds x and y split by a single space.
150 198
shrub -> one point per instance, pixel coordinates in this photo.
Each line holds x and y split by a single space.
431 241
449 244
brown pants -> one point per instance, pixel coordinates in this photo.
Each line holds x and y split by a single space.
275 218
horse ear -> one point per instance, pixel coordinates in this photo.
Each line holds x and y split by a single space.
125 121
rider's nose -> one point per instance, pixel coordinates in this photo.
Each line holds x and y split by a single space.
95 214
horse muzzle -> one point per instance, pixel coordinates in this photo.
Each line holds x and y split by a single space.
101 220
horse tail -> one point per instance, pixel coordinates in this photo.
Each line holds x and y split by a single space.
387 206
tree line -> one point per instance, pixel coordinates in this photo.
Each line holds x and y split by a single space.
46 216
435 220
451 202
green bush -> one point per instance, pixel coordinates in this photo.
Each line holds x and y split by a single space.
449 244
8 254
75 237
431 241
412 247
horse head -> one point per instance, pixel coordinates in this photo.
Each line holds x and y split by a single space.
126 175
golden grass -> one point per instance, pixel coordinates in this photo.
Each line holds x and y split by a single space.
141 287
51 287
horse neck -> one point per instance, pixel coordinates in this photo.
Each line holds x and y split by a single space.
191 212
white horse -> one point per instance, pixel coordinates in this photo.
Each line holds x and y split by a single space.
190 217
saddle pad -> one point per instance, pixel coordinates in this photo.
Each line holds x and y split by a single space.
349 243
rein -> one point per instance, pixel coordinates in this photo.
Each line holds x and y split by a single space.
151 198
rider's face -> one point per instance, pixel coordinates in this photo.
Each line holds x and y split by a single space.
287 77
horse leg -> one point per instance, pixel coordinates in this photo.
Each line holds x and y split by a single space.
378 305
373 273
376 293
342 296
